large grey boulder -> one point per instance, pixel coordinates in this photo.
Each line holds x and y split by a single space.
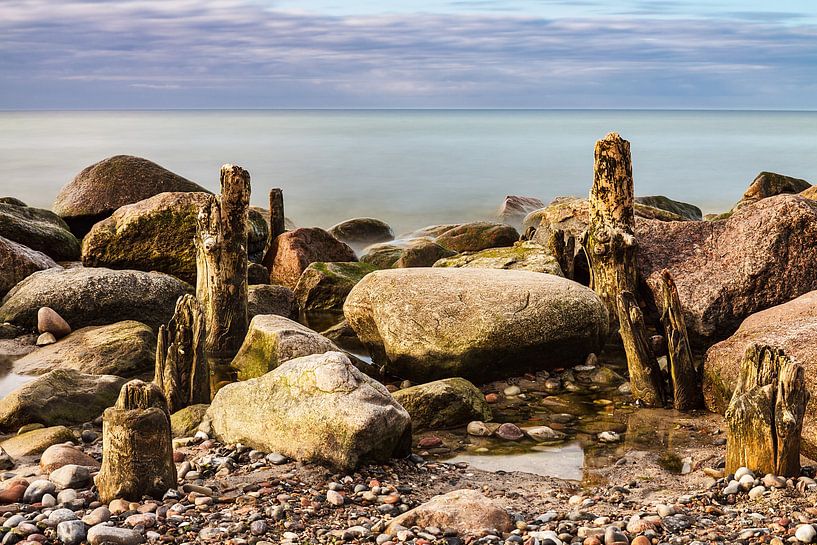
61 397
476 236
91 296
17 262
762 256
324 286
272 340
360 232
39 230
158 234
480 324
316 408
792 327
124 349
113 182
445 403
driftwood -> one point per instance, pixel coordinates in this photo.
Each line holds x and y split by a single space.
182 372
686 385
610 246
563 248
765 416
221 266
137 453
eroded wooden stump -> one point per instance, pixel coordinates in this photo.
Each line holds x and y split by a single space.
182 372
137 452
686 383
765 416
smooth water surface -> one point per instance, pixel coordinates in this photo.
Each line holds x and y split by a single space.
412 168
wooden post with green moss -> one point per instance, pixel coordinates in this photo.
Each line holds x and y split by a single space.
221 267
765 416
686 384
610 245
182 372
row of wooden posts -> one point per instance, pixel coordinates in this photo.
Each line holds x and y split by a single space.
764 419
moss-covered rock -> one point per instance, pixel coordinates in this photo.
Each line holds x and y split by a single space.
158 234
419 252
36 441
61 397
272 340
526 256
810 193
185 422
113 182
445 403
476 236
769 184
39 230
94 296
685 210
316 408
293 251
324 286
382 255
124 349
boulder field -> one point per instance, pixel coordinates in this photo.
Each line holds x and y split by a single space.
480 324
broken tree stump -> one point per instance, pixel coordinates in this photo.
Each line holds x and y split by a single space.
221 266
563 248
277 222
686 383
765 416
645 376
137 452
610 245
182 372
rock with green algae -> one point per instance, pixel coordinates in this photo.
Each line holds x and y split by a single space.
40 230
35 442
271 340
185 422
86 296
445 403
420 252
810 193
157 234
476 236
317 408
124 349
685 210
324 286
526 256
480 324
101 188
61 397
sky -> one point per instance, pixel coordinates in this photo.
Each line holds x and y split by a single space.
156 54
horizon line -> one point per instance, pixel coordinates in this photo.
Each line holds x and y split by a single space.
405 109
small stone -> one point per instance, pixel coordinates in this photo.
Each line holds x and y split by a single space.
509 432
48 321
97 516
773 481
491 398
665 510
70 476
146 520
614 536
544 433
66 496
805 533
512 391
36 490
48 500
110 535
71 532
258 527
609 437
430 441
714 473
89 436
741 471
641 540
45 339
119 506
61 515
732 488
334 498
276 459
478 429
757 492
746 482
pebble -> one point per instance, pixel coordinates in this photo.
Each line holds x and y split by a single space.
276 459
512 390
478 429
36 490
45 339
97 516
71 532
334 498
49 321
258 527
805 533
70 476
60 515
110 535
741 471
757 492
609 437
544 433
509 432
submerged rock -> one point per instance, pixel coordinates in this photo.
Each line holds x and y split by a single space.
479 324
476 236
61 397
272 340
762 256
525 256
792 327
91 296
315 408
421 252
324 286
113 182
467 511
158 234
271 299
295 250
359 232
40 230
17 262
514 209
445 403
124 349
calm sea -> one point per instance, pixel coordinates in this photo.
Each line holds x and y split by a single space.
417 167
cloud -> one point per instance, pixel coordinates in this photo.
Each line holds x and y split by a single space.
234 53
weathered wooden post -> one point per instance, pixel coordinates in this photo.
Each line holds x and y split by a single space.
277 222
563 248
687 393
610 245
221 267
182 372
137 452
765 416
